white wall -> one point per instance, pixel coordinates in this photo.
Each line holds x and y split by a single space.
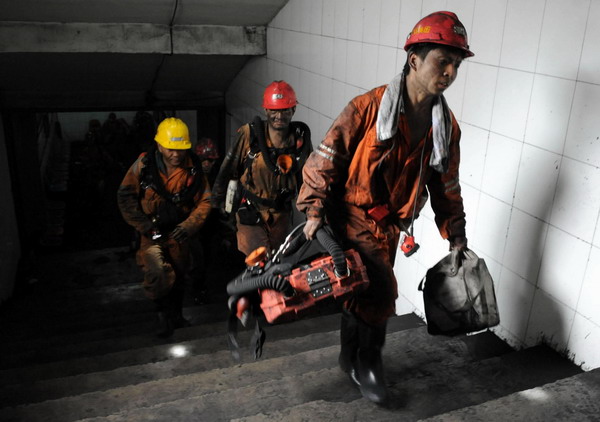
528 107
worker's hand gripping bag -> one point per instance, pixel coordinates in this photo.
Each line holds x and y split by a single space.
459 296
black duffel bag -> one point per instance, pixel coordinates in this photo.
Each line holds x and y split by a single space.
459 296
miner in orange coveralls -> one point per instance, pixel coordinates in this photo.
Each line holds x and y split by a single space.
266 161
386 152
165 196
206 149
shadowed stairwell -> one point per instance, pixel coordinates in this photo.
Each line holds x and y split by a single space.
80 346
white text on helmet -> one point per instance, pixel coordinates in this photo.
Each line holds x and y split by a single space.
460 30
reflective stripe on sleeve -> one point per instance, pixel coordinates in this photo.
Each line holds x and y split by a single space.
329 153
451 185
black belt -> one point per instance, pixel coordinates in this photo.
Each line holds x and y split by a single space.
278 203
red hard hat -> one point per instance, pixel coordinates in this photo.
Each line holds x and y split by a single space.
279 95
207 149
440 28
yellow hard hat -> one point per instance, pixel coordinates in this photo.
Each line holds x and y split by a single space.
172 133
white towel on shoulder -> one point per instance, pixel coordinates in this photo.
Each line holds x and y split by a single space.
389 109
441 123
387 122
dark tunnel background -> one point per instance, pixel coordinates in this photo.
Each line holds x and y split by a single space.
65 199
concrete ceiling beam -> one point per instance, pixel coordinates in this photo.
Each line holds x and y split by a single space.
131 38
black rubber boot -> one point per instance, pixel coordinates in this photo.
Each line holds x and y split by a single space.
348 342
165 325
170 316
369 366
175 299
165 322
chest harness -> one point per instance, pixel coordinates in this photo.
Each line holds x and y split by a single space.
173 211
299 153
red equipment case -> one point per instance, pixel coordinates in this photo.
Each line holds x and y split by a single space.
314 282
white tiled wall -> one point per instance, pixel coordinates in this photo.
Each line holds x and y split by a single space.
528 107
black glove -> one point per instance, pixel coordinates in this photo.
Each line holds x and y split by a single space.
179 234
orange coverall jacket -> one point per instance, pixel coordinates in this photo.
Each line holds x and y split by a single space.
162 260
262 182
352 171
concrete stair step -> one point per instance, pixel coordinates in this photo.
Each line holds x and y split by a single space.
96 327
169 366
70 273
357 410
202 340
423 389
66 359
454 387
61 351
213 390
82 301
134 333
206 321
19 336
576 398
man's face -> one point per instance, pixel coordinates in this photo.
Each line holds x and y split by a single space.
173 157
438 70
207 165
279 119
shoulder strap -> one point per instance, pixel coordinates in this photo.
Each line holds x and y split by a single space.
150 178
255 127
197 181
258 142
259 137
301 131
